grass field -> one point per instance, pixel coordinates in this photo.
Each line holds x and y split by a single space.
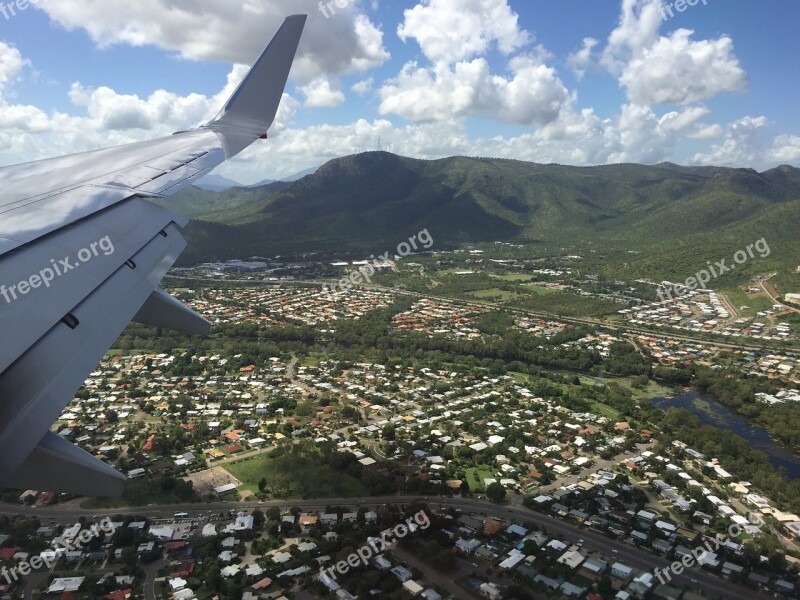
492 293
476 475
755 303
605 410
520 377
538 289
291 476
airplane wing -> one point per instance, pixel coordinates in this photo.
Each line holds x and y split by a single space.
82 252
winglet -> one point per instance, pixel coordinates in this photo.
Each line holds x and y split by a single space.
251 109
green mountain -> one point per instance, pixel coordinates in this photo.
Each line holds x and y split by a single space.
375 200
199 203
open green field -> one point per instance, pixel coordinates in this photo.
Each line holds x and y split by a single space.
513 277
738 298
520 377
292 476
476 475
492 293
605 410
538 289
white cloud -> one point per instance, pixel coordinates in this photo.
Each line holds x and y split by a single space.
581 60
454 30
320 93
671 69
233 32
746 144
11 64
110 110
364 86
743 146
677 70
534 95
678 121
786 149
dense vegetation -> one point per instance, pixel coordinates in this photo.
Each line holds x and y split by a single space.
674 218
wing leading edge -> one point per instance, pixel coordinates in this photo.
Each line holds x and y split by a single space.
82 253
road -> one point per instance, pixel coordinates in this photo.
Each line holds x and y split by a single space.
711 585
774 299
151 572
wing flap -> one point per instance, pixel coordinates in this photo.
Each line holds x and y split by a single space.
162 310
67 468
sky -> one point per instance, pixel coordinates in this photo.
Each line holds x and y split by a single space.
579 82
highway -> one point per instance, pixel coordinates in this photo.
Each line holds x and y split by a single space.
711 585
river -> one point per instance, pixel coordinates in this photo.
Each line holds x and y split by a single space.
711 412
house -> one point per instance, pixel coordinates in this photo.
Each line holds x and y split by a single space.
329 519
412 587
164 532
224 490
402 573
65 585
621 571
306 522
490 591
593 568
516 530
514 558
571 558
572 591
244 522
381 563
467 547
646 516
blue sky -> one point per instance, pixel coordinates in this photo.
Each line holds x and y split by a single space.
575 81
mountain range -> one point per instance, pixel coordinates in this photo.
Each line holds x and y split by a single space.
219 183
663 213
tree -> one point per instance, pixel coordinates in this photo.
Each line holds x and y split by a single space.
262 485
495 492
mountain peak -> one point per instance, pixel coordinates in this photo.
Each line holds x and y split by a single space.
359 164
